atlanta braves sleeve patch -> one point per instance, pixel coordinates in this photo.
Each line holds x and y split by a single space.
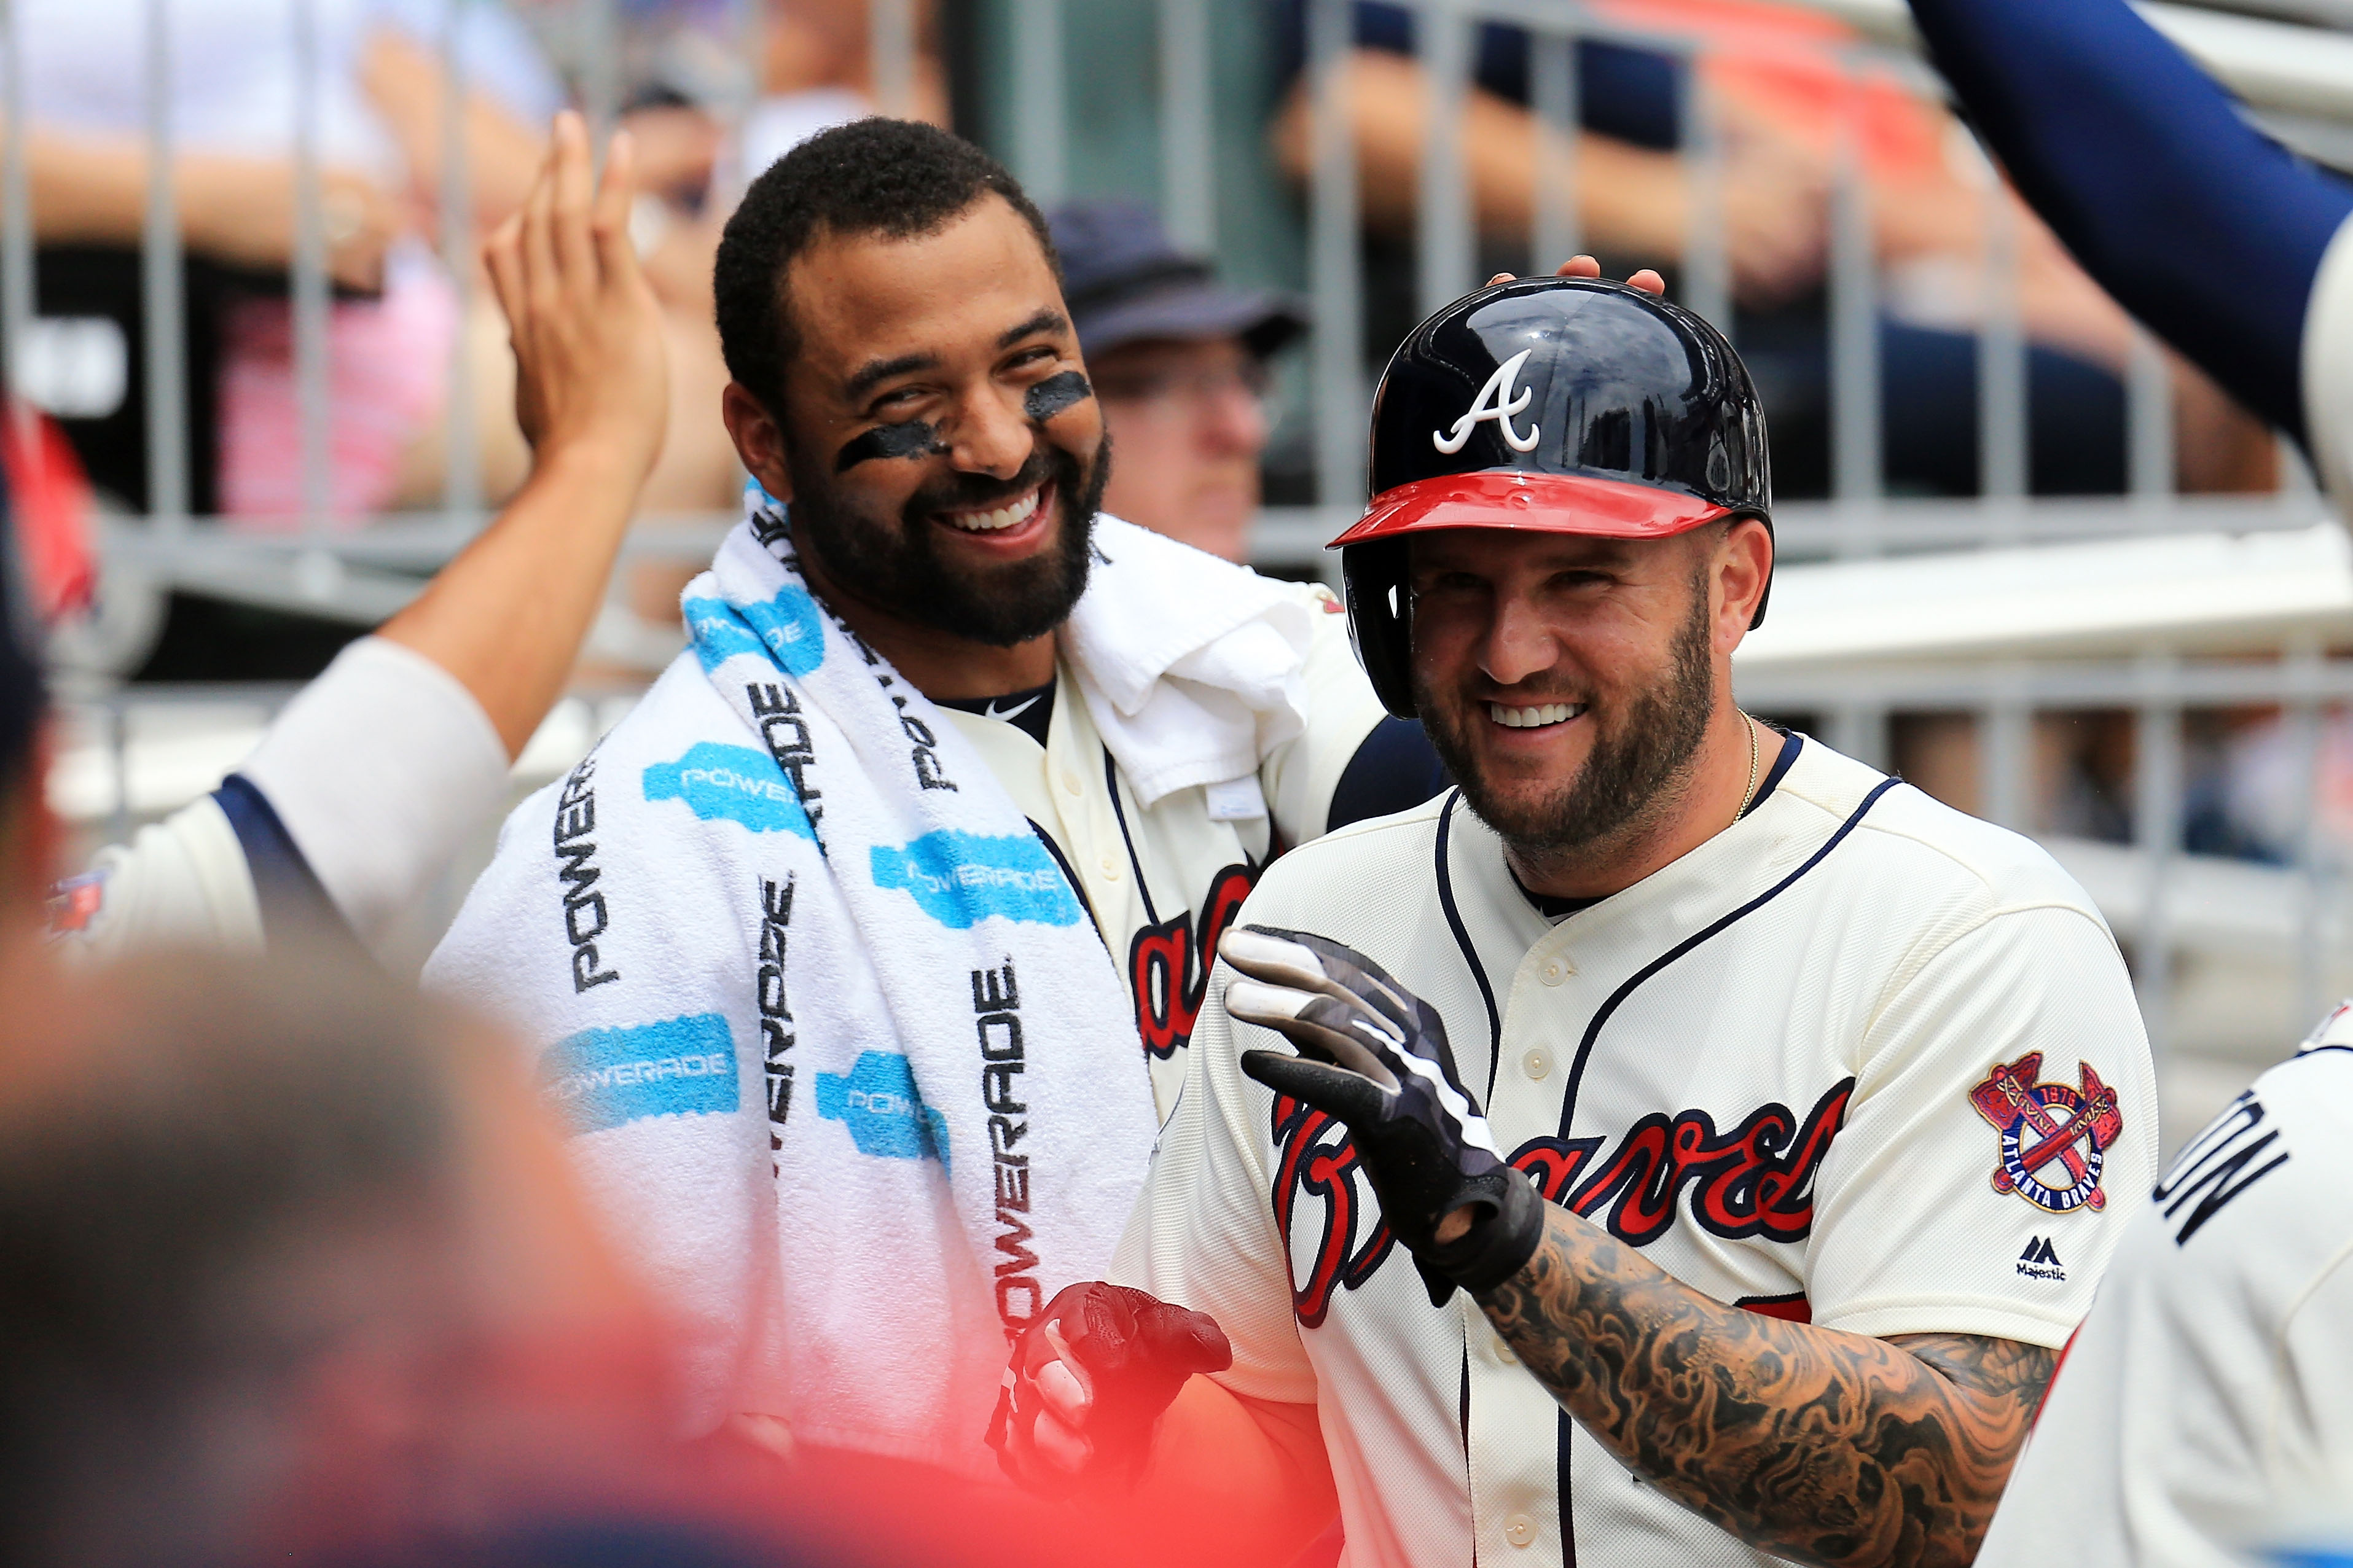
2054 1139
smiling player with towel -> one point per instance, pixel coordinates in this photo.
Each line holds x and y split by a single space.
864 953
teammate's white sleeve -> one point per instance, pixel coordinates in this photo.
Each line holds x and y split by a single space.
1912 1233
1300 775
378 769
1202 1233
2327 361
2206 1408
180 882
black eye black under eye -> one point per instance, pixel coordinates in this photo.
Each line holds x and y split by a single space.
1056 395
908 438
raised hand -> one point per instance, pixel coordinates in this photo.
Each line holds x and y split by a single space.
1088 1382
592 375
1374 1055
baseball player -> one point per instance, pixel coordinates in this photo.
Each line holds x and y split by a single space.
1068 749
2202 1412
1678 1143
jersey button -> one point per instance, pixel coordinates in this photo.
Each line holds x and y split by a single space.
1538 1061
1553 972
1503 1351
1109 864
1520 1530
1070 781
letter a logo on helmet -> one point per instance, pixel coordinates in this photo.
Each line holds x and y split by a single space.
1599 410
1495 402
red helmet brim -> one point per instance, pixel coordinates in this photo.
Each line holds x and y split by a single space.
1538 504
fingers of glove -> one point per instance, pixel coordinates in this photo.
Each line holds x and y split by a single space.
1276 959
1074 1374
1056 1444
1186 1342
1323 1027
1058 1386
1341 969
1336 1091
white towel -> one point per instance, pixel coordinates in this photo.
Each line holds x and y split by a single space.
1192 667
785 920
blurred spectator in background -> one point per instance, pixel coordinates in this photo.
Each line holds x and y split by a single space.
1780 92
811 66
1180 367
397 327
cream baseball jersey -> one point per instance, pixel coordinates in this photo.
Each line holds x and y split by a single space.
1162 884
1858 1060
2201 1411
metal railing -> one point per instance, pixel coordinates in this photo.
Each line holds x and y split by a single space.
362 575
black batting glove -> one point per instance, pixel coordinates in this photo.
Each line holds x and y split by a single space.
1372 1054
1088 1382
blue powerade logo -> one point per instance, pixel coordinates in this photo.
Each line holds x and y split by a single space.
962 878
736 783
787 631
878 1101
607 1078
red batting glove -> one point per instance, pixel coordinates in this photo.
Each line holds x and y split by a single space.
1088 1380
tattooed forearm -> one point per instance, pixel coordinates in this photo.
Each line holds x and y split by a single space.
1823 1447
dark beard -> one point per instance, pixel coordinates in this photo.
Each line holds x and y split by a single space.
897 566
1626 775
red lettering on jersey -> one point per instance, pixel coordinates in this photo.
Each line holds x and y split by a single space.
1755 1181
1792 1308
1328 1169
1168 967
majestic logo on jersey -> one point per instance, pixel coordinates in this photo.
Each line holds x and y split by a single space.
1754 1181
1495 402
2054 1139
1169 965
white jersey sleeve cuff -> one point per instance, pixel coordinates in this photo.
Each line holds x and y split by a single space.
2327 360
379 769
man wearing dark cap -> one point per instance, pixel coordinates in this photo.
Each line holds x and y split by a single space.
1678 1143
1179 364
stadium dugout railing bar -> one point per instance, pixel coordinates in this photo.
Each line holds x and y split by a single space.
2162 660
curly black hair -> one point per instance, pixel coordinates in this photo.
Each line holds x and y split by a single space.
896 178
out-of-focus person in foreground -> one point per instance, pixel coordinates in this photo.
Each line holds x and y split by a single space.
2205 1410
892 900
290 1272
363 789
1784 1064
1180 367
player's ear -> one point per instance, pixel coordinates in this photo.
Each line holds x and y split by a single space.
759 439
1742 566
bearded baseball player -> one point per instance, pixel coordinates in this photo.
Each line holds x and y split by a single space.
1681 1144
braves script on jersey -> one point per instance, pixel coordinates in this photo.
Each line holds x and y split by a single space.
1802 1068
2202 1412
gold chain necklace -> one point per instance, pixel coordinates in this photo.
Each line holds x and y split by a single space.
1749 796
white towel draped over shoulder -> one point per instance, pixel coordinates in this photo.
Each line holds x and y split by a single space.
1192 670
844 1058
